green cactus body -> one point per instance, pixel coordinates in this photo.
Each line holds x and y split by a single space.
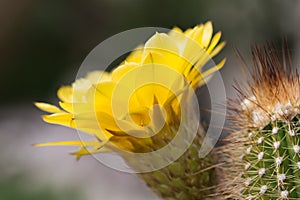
261 157
189 177
272 167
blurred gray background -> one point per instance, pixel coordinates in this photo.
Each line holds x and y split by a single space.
42 44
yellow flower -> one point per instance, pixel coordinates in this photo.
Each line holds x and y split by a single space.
135 106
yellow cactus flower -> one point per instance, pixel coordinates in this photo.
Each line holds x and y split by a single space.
135 106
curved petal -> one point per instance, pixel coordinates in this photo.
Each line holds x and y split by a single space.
48 107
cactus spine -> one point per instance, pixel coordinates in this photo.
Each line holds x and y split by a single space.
261 157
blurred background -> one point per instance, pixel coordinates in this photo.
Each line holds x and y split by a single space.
42 44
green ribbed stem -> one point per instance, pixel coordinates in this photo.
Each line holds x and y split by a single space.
272 167
188 178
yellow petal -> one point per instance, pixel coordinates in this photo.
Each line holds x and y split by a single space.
69 143
107 122
104 88
75 107
194 32
214 41
48 107
96 145
80 88
66 106
161 41
158 118
177 35
192 51
208 73
123 143
156 56
123 69
98 76
84 151
156 81
217 49
114 125
207 34
65 119
65 93
176 29
136 55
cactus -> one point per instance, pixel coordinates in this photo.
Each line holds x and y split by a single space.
261 156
